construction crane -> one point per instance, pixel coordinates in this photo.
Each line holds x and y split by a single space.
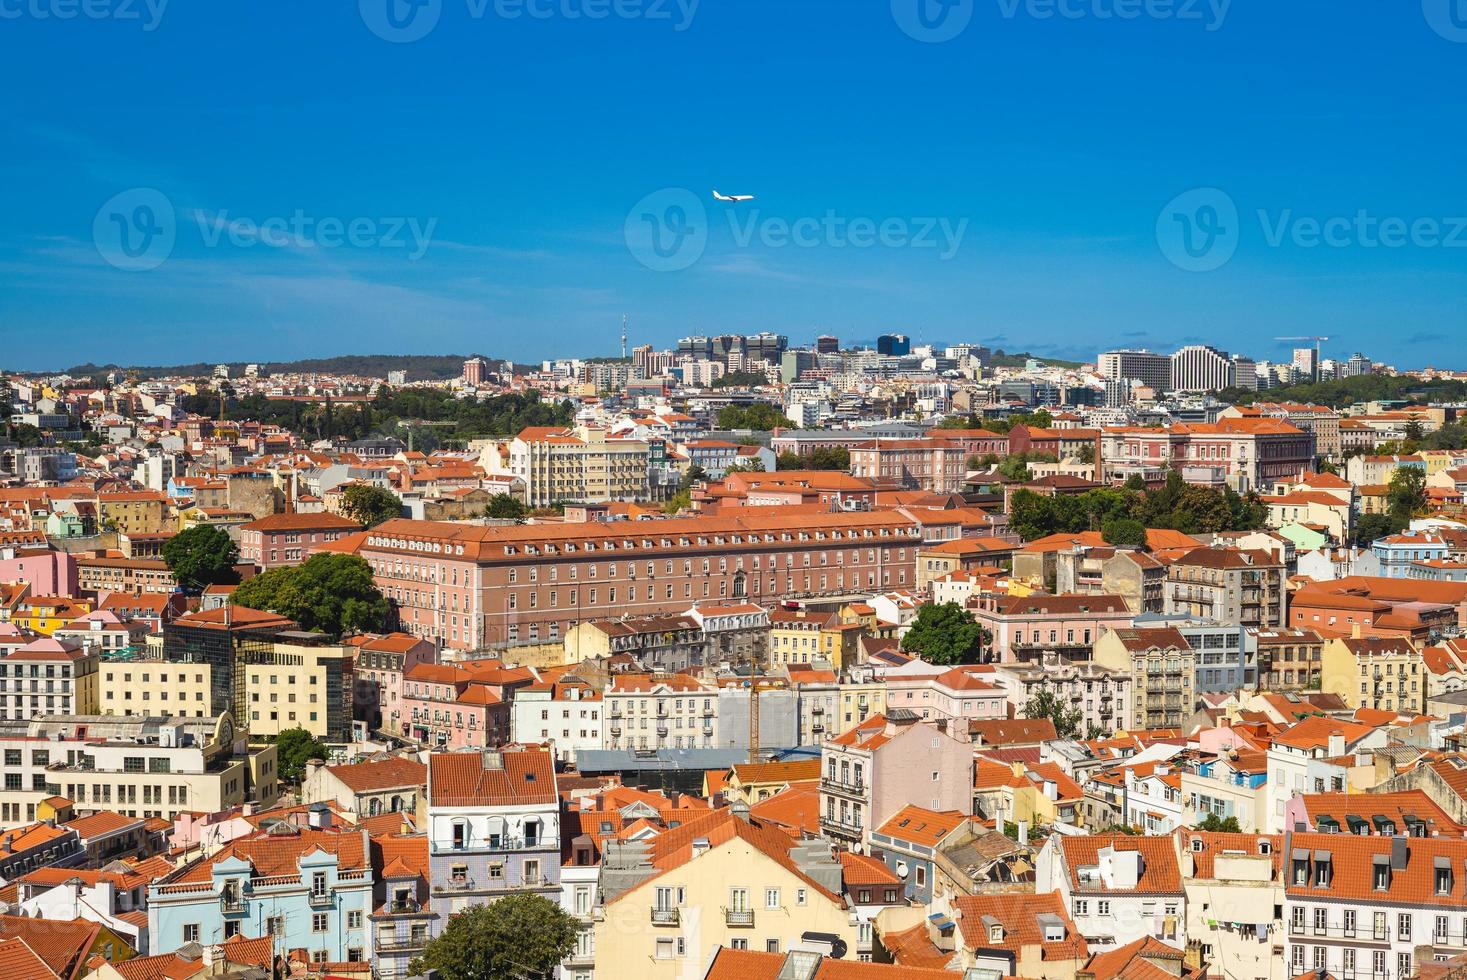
1317 342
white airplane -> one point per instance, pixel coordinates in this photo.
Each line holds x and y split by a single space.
732 198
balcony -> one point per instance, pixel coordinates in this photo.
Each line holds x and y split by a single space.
666 917
322 900
397 945
233 905
739 918
400 906
847 786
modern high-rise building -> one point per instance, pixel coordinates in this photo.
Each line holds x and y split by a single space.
475 368
894 345
1245 372
826 344
1307 361
766 347
1357 365
1199 367
1140 366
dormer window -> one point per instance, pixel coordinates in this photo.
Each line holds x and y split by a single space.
1442 877
1323 869
1382 875
1301 866
995 933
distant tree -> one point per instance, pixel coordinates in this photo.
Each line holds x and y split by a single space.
1047 704
790 460
332 593
741 379
759 416
369 504
946 634
1322 465
692 475
1406 496
506 507
1215 824
830 458
1135 483
1124 532
523 935
1086 453
27 436
1368 527
201 555
960 422
678 502
295 747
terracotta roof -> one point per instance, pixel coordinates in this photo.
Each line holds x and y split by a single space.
19 962
101 822
1012 731
862 869
1159 872
922 826
796 808
366 777
1018 915
767 772
322 521
1354 857
1206 846
1160 637
279 854
514 775
62 944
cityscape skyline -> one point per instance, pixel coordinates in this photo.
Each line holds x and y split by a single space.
511 229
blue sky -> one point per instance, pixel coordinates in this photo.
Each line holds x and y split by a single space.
520 148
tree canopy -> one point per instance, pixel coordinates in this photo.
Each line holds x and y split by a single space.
946 633
1177 506
295 747
760 417
369 504
821 458
522 935
1124 532
506 507
201 555
332 593
1047 704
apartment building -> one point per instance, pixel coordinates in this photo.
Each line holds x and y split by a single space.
282 540
886 762
133 511
140 766
657 711
723 880
1102 695
566 715
100 576
493 827
224 639
366 789
1025 628
306 888
1382 673
956 695
1319 755
933 465
803 636
582 464
379 675
468 587
666 644
144 684
1133 575
733 633
1288 659
1378 907
1228 585
48 676
1162 666
1118 888
301 681
451 706
1235 886
1242 453
104 632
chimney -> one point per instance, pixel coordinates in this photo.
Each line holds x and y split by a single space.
1023 833
1336 746
1357 631
319 816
